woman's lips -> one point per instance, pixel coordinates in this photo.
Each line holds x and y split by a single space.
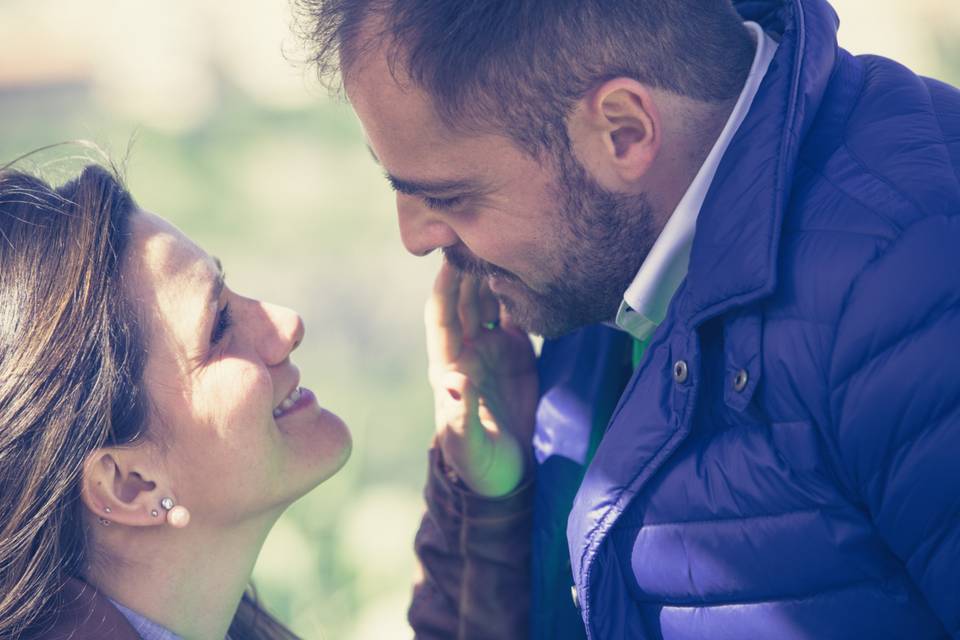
298 399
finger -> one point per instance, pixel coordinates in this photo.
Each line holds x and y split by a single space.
441 316
467 445
507 323
446 295
489 462
475 436
457 406
469 308
489 305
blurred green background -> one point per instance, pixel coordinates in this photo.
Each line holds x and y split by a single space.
242 148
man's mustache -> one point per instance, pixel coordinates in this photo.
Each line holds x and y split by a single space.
465 262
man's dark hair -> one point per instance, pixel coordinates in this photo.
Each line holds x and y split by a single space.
519 66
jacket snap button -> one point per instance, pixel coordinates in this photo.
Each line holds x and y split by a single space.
680 371
740 382
575 596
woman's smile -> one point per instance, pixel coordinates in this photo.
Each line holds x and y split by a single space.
299 398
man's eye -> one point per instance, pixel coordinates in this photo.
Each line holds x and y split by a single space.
224 321
441 203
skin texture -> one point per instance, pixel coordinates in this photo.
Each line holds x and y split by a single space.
214 444
557 241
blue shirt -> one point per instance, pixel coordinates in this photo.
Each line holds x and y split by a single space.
148 629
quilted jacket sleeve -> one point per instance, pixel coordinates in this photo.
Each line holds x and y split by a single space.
474 560
895 403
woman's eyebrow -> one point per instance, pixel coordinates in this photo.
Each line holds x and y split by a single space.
218 283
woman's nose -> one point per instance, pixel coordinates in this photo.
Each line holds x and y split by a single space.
285 333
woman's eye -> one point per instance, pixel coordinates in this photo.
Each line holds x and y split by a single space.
441 203
223 324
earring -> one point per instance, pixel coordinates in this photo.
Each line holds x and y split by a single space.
108 509
154 513
103 521
177 515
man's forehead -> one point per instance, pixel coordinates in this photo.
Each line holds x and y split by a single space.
417 150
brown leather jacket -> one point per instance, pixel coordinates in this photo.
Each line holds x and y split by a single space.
87 615
474 556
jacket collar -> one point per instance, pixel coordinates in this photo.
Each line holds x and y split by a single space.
87 614
734 255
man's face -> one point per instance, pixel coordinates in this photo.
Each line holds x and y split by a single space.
557 250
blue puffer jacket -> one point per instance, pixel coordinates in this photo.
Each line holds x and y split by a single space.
785 461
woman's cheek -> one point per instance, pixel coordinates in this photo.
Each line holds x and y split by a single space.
235 390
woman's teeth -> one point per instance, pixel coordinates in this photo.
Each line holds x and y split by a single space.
287 403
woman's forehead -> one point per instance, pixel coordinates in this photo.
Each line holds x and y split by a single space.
170 277
159 246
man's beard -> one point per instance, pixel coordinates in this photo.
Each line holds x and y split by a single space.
600 241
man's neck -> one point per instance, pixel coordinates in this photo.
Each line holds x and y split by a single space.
691 129
190 581
689 135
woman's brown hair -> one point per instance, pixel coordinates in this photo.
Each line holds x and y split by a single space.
71 381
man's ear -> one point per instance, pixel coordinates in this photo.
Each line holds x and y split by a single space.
616 133
124 486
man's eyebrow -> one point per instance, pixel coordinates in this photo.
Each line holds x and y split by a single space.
421 187
217 289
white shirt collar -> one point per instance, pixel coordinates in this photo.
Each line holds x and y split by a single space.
645 302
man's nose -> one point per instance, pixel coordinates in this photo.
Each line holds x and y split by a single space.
421 229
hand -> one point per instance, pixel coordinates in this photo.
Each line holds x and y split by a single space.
484 383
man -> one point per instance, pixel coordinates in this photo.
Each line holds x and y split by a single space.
766 228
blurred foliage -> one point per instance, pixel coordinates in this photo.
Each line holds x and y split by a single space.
274 178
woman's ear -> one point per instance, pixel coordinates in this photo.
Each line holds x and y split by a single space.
124 486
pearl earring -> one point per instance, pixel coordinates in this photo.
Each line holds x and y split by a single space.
177 515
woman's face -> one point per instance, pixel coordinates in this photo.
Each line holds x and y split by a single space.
220 379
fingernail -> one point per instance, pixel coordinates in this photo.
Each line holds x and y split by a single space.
454 394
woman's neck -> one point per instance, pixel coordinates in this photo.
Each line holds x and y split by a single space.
189 580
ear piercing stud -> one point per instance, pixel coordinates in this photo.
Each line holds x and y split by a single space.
108 509
154 513
177 516
103 521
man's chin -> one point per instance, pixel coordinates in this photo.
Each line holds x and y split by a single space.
538 319
561 310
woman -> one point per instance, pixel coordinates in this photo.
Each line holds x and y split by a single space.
153 426
152 430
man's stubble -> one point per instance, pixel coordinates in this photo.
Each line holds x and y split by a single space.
598 243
